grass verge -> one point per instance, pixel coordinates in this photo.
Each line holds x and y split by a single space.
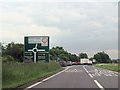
113 67
15 74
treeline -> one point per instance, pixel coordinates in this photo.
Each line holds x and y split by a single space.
62 54
14 52
100 57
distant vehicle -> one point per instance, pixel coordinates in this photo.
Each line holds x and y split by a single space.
63 63
77 63
73 63
90 62
69 63
85 61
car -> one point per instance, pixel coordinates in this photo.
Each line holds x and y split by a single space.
73 63
78 63
63 63
69 63
90 63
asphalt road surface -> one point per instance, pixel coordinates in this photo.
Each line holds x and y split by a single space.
80 76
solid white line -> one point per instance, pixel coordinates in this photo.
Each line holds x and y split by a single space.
33 85
98 84
54 75
46 79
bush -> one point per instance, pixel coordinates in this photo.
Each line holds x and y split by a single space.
7 58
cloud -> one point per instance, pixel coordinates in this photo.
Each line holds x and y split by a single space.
53 19
112 19
96 24
17 33
60 1
78 27
24 9
40 30
12 36
76 15
14 17
112 53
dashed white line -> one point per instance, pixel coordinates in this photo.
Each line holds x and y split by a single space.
91 76
98 84
88 72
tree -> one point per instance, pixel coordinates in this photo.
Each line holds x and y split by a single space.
83 55
91 58
15 50
102 57
97 57
62 54
56 52
75 58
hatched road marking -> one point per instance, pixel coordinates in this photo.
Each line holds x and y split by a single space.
88 72
99 72
98 84
74 70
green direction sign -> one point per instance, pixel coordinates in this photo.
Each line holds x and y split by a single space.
36 48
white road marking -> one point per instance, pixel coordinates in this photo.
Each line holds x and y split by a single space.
33 85
91 76
46 78
98 84
100 72
116 75
109 74
55 74
88 72
74 70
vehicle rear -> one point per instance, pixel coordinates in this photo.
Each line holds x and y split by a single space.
77 63
90 63
69 63
63 63
73 63
84 61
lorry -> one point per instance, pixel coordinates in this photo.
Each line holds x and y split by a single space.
85 61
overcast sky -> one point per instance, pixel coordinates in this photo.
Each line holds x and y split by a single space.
77 26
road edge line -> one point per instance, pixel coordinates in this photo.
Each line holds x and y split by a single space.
45 79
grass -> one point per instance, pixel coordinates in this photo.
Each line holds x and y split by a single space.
113 67
15 74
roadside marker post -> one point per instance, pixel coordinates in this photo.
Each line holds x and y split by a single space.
36 48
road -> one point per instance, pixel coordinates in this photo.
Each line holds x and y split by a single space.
81 76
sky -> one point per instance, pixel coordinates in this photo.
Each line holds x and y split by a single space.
77 26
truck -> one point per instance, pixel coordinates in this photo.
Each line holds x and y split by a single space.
85 61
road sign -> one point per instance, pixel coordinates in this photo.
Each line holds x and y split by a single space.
36 48
57 59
